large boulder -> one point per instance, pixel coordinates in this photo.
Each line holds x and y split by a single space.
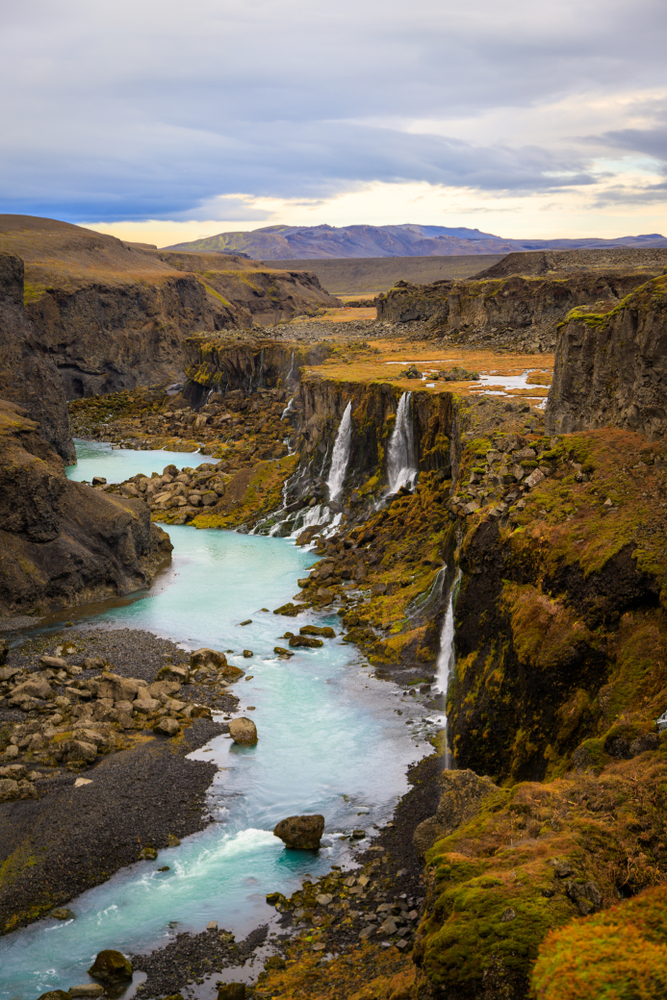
35 687
111 967
118 688
462 796
301 832
243 731
209 658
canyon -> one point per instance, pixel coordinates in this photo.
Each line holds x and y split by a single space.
492 450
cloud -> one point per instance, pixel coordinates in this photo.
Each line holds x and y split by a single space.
166 110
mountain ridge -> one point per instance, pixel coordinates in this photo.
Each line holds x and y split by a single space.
282 242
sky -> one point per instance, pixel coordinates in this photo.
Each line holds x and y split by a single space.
163 121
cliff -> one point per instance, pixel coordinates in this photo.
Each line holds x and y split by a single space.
515 311
611 366
63 543
28 375
104 315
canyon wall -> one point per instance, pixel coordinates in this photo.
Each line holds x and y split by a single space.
64 543
102 315
516 310
611 368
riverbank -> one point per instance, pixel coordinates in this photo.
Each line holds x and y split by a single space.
85 820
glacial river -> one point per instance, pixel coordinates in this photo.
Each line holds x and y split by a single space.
330 740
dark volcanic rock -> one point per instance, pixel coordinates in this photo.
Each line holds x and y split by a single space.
301 832
611 369
64 543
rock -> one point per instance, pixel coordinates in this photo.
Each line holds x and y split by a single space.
168 727
4 650
209 658
55 995
232 991
212 925
148 853
388 927
534 478
118 688
111 967
163 689
378 588
35 687
289 610
79 752
508 915
99 481
462 795
232 673
52 663
243 731
146 705
323 899
6 673
358 833
281 651
180 673
301 832
172 840
62 913
325 630
87 990
248 621
248 653
305 640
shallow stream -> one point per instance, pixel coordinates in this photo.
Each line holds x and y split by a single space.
330 740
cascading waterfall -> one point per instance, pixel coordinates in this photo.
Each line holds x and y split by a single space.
445 661
401 463
288 409
341 455
291 375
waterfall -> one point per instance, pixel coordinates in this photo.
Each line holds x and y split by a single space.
341 455
291 373
445 661
288 409
401 462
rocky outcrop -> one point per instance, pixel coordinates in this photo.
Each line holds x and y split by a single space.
518 311
28 375
63 543
462 794
243 731
611 368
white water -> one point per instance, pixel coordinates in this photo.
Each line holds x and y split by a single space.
401 463
446 658
330 741
341 455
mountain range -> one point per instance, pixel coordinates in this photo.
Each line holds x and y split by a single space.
304 242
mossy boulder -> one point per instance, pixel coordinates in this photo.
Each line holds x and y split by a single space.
111 966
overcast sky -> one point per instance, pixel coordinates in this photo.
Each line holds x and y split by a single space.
161 118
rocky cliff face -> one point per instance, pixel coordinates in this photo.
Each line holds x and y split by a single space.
28 374
63 543
517 311
611 367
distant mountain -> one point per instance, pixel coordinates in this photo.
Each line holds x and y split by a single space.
317 242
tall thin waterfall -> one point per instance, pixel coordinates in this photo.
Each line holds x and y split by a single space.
445 662
401 470
341 455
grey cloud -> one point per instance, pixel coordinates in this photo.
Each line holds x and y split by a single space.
130 110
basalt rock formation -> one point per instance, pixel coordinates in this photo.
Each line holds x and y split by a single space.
518 308
63 543
28 375
611 366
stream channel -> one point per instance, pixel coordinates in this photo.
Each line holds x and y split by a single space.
330 740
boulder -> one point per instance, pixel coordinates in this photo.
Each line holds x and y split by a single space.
232 673
87 990
179 672
243 731
111 967
160 689
79 752
146 705
301 832
62 913
207 658
6 673
324 630
462 796
35 687
305 640
168 727
117 688
55 995
52 663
